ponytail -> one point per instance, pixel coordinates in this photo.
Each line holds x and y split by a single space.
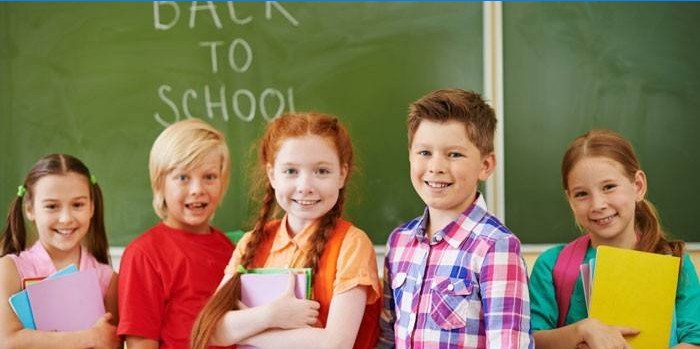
96 239
14 236
651 235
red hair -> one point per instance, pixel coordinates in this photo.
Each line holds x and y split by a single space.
287 126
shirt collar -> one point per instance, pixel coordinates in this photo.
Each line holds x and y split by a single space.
458 230
284 239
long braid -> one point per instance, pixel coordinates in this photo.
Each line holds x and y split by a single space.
258 234
227 297
325 229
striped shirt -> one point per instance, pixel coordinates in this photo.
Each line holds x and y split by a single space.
466 288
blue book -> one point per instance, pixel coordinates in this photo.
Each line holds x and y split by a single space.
20 300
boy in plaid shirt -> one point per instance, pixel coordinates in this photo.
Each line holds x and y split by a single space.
454 277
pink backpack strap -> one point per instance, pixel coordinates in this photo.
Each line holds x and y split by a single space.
565 273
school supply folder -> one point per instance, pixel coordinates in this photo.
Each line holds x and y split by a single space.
263 285
635 289
19 302
69 303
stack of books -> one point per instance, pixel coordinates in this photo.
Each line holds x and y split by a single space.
68 300
263 285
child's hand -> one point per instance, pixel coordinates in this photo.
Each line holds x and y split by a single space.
597 335
290 312
105 334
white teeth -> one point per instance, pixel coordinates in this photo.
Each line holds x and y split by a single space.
196 205
437 185
65 231
306 202
605 220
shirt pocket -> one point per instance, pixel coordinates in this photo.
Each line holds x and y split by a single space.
398 282
453 302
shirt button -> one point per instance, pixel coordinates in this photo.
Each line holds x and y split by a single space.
438 237
450 287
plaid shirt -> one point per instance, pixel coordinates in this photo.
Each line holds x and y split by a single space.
467 288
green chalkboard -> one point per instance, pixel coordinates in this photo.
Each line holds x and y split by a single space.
569 67
99 80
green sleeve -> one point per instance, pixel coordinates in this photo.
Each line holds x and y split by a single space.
543 302
688 303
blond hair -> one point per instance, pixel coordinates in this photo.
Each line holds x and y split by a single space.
184 144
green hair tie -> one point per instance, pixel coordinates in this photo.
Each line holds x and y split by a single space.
21 190
93 179
242 270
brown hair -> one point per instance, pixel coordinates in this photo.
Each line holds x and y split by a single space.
608 144
466 107
14 237
286 126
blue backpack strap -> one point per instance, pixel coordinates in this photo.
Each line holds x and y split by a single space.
565 273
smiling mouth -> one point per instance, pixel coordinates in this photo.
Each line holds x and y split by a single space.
64 232
604 220
306 202
437 185
196 205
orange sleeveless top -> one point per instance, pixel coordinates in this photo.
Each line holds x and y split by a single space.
323 280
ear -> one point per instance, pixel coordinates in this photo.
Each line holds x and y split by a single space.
270 171
343 175
488 164
640 185
29 211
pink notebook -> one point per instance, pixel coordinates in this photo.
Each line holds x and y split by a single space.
69 303
259 289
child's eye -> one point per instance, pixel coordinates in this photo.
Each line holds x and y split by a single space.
609 187
289 171
79 204
323 171
423 153
182 178
50 206
211 177
580 194
455 155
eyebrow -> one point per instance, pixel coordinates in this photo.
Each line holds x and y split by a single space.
75 198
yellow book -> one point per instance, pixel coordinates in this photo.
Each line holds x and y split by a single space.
635 289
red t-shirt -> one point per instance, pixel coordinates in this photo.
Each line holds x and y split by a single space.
165 278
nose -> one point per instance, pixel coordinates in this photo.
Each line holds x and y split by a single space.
305 184
436 164
598 201
196 187
66 216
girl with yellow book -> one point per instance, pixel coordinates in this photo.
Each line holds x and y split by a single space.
606 188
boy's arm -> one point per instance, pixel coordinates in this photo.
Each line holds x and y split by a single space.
388 315
505 297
